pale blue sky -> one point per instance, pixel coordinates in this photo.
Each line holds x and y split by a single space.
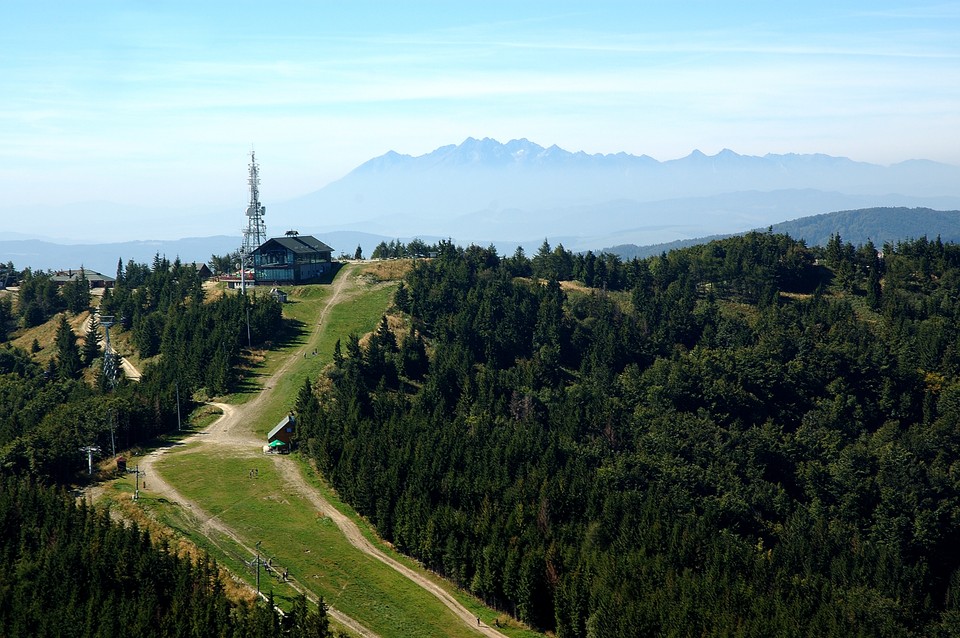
161 101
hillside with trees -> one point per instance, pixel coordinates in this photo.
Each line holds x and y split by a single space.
71 571
193 345
747 437
879 225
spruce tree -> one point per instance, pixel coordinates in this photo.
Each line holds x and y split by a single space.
401 298
6 315
68 353
91 341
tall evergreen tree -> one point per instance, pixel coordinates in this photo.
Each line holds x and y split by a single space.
68 353
91 341
6 317
76 293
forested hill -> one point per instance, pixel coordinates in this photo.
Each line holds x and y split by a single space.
877 225
72 572
69 570
747 437
192 346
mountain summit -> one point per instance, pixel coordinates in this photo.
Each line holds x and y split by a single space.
489 153
482 190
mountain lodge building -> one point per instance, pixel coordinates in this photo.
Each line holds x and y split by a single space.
291 260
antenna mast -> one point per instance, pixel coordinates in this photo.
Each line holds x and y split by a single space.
256 230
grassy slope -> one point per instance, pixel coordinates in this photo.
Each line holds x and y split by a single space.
310 546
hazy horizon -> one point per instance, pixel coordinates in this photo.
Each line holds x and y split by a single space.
159 105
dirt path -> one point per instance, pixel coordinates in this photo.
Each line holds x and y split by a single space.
232 436
295 479
227 435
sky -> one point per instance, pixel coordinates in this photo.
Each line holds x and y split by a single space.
159 103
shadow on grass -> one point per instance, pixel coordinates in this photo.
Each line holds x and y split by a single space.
132 450
328 277
292 333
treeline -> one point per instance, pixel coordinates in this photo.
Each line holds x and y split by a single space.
396 249
69 571
49 413
750 439
40 298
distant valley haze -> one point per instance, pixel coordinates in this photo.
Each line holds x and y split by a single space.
508 194
508 122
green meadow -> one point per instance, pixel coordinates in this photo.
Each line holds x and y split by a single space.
244 491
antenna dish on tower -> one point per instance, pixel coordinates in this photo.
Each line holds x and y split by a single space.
256 231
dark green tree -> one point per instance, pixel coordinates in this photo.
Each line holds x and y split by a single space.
91 341
76 293
6 317
224 264
68 353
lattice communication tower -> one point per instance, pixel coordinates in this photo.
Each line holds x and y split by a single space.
256 231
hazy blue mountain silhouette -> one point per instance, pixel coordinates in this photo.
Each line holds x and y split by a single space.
483 190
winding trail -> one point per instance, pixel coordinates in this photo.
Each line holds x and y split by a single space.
232 436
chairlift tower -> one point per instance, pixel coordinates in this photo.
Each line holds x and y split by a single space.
89 450
256 231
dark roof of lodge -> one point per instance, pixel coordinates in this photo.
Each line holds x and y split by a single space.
74 275
300 244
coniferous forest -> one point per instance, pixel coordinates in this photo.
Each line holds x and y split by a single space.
744 438
69 570
52 411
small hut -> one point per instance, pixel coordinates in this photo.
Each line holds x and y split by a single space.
283 431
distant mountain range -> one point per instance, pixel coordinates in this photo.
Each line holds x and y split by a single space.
517 193
102 258
880 225
486 192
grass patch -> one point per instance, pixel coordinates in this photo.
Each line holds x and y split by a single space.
295 537
365 302
389 270
204 416
165 522
508 625
293 534
46 336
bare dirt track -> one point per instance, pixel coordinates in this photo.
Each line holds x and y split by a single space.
231 435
